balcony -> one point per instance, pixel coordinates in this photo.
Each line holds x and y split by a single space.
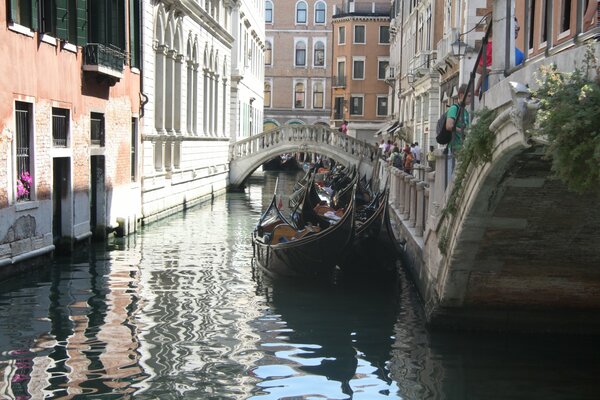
104 60
339 82
390 75
444 48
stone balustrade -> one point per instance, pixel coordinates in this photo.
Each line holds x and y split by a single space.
410 196
303 135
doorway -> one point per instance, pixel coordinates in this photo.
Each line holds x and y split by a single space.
97 197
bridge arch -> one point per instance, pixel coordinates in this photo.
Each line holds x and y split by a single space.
249 154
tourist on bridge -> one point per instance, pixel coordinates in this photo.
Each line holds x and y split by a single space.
451 115
344 127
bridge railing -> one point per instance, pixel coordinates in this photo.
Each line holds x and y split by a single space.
409 195
303 135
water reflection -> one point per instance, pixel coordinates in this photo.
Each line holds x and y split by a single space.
177 311
327 342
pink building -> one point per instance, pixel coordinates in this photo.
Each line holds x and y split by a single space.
69 109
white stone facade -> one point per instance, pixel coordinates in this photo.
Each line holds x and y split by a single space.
247 68
187 53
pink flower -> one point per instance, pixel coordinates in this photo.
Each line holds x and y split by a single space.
24 186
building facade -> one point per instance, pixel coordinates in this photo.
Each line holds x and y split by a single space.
187 51
247 68
70 109
297 62
360 61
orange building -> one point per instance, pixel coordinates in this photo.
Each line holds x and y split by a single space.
360 60
69 135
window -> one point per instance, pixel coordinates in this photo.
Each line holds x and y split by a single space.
134 33
301 13
356 105
97 129
358 69
318 95
65 19
384 34
341 35
359 34
300 54
60 127
24 12
338 112
269 12
382 106
320 13
108 24
268 53
267 94
299 95
381 67
566 15
531 25
134 148
319 57
23 120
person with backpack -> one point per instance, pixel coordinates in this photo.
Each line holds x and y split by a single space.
458 127
396 158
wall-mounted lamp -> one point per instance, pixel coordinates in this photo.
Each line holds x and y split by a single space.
460 48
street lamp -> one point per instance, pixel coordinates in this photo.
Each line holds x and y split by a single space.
459 48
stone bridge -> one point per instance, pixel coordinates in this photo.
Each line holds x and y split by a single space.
248 154
522 252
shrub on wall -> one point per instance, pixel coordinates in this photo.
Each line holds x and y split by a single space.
569 117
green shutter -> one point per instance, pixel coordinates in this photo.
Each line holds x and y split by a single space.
13 17
82 22
62 19
34 15
133 33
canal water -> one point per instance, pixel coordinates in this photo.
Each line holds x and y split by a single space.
178 311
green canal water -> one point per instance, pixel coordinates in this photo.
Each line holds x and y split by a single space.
178 311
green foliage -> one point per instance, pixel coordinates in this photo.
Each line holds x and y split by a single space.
443 240
477 150
569 117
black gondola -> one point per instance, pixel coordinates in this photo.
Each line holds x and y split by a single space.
302 248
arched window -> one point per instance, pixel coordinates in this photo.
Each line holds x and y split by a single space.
319 56
299 95
318 95
267 94
320 13
300 58
268 53
269 12
301 12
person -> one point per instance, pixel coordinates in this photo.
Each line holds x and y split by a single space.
344 127
408 161
382 147
395 158
416 152
387 149
482 85
451 120
431 158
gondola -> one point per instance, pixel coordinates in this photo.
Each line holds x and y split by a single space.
302 247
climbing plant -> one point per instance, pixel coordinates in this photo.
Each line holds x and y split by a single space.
569 118
477 150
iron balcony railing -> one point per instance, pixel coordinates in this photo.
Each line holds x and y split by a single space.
339 81
104 59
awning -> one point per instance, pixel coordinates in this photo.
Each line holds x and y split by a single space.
388 128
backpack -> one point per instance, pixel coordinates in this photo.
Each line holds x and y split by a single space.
397 161
442 135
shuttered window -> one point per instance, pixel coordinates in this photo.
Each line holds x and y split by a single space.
24 12
134 32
